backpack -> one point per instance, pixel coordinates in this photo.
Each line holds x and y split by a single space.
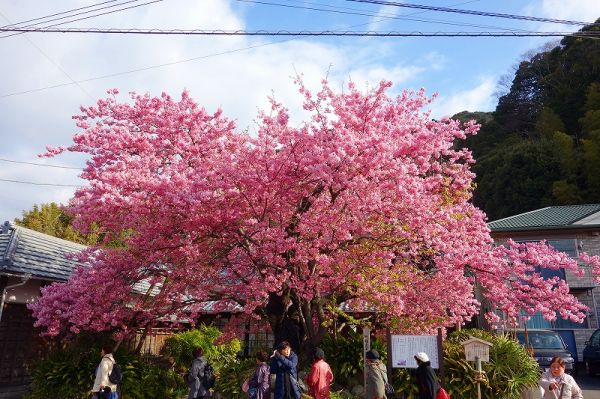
209 376
115 376
442 394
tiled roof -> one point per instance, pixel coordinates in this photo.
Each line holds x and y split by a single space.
25 251
566 216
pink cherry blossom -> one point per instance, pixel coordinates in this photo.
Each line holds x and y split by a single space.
366 204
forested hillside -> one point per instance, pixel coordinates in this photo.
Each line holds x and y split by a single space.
541 146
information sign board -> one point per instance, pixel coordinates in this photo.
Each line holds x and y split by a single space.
404 348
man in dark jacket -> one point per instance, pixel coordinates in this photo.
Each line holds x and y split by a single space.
195 378
426 379
284 364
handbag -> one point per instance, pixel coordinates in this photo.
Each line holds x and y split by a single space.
246 385
389 390
299 383
442 394
387 387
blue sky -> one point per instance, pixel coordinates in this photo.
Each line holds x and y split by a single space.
238 73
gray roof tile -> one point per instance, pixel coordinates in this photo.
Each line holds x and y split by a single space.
27 251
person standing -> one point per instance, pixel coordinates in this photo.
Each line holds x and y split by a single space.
557 384
259 383
426 379
320 377
284 364
103 388
195 378
376 376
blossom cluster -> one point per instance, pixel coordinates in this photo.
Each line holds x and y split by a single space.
366 203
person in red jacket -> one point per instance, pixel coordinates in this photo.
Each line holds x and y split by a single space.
320 377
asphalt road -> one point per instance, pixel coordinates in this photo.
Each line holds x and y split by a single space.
590 386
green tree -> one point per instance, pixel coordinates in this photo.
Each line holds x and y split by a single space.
550 117
591 157
548 123
564 151
518 177
590 122
52 220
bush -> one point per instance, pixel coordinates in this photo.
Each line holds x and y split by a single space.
343 395
180 347
69 373
508 372
231 377
229 369
345 357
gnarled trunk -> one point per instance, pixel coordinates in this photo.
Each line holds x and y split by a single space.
291 319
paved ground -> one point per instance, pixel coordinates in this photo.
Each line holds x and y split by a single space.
590 386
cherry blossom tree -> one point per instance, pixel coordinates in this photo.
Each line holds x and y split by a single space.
366 204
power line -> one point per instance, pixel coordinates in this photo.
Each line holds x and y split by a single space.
69 16
472 12
58 66
60 13
144 68
354 11
39 184
200 32
39 164
84 18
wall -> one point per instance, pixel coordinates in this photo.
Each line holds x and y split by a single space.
585 287
23 294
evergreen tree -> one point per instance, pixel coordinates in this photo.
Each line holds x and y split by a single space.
52 220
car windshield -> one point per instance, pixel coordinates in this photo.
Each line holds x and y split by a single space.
541 340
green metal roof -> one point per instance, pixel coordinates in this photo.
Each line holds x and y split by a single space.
550 217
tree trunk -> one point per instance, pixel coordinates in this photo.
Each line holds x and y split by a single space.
291 320
284 319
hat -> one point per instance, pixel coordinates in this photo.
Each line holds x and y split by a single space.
422 356
372 354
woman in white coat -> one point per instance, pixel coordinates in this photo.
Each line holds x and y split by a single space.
102 372
557 384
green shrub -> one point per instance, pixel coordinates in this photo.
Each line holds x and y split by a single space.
343 395
345 357
69 373
230 370
180 347
231 377
509 370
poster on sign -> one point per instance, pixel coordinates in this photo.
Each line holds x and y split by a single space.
404 348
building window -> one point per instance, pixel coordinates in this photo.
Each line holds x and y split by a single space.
538 321
568 246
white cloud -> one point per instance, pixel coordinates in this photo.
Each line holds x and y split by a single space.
235 73
572 10
577 10
478 98
383 18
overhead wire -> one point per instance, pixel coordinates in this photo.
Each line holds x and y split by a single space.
471 12
39 164
201 32
39 184
57 65
59 13
87 17
178 61
361 12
